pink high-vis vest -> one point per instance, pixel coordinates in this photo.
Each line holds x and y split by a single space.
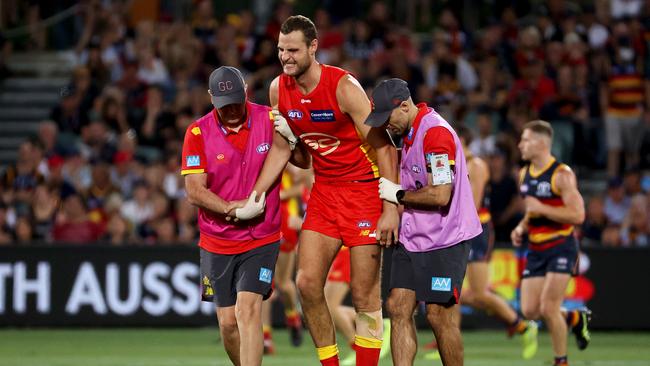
232 175
422 230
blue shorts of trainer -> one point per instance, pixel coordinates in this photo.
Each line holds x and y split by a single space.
223 275
481 245
436 276
562 258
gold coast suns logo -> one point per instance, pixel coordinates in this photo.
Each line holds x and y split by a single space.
323 143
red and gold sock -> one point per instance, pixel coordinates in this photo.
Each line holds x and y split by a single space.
328 355
292 318
367 350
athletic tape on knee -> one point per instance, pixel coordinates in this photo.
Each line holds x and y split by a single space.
370 324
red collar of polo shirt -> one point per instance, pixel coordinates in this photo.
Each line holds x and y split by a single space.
228 131
423 109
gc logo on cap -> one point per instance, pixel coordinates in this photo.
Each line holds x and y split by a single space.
227 86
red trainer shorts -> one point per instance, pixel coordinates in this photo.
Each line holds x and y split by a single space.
340 271
346 211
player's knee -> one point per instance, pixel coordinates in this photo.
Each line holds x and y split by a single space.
397 310
308 286
439 318
246 310
228 328
480 299
530 312
549 309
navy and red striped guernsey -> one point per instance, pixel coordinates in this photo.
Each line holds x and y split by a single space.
544 233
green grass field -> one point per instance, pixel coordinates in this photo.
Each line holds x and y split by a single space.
188 347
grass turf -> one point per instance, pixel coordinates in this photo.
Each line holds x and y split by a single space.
189 347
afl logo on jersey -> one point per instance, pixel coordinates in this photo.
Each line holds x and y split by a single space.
544 189
324 144
295 114
263 148
416 169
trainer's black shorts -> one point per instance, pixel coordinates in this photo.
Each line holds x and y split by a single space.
562 258
436 276
481 245
223 275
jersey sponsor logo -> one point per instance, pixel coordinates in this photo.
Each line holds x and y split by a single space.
220 156
263 148
324 144
544 189
303 101
364 224
440 283
192 160
322 115
266 275
196 131
416 169
295 114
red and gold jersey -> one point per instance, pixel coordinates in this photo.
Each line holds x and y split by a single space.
338 151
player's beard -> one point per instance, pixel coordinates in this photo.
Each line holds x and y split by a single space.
300 69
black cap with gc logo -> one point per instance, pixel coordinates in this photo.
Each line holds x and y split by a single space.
227 86
388 95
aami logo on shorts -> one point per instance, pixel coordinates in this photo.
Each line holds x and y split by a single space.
266 275
263 148
192 160
416 169
324 144
364 224
294 114
322 115
440 283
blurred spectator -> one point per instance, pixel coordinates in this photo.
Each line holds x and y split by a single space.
73 225
612 236
635 231
117 230
5 230
595 221
617 203
122 174
623 97
48 133
484 144
505 201
44 207
138 209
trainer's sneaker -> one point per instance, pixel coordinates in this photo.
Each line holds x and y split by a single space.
529 341
294 325
385 344
581 330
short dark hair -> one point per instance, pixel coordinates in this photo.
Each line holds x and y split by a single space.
541 127
465 133
300 23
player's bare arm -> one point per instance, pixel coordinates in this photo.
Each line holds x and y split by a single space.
300 155
199 195
278 155
479 175
573 210
352 99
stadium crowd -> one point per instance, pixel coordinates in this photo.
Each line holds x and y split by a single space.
105 166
